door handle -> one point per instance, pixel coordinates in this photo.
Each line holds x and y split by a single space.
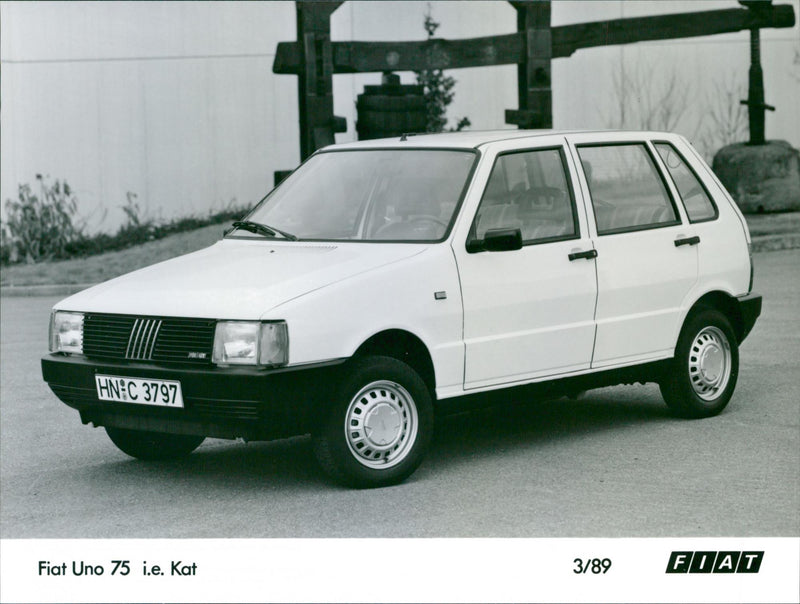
588 254
687 241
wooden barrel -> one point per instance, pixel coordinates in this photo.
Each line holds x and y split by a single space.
390 109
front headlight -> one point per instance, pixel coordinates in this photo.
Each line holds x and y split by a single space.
251 343
66 332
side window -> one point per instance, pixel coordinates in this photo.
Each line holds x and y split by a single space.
698 204
626 188
528 190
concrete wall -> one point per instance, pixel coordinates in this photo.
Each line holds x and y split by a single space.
173 101
177 102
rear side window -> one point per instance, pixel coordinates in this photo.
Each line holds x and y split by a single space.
695 198
529 190
627 191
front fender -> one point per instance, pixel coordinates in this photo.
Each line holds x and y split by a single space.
420 295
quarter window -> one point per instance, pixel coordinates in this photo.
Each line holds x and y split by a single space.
627 191
528 190
698 204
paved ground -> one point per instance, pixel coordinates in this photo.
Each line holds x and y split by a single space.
610 465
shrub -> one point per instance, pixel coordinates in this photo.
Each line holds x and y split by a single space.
44 227
5 246
140 228
40 226
438 89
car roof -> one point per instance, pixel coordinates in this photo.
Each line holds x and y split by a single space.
468 139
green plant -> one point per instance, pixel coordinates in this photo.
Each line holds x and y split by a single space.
44 226
5 246
140 228
438 88
133 212
40 226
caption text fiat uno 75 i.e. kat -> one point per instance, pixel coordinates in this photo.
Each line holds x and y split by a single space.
385 281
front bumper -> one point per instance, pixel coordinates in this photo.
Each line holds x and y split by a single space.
249 403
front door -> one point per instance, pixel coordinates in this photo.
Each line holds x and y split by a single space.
528 312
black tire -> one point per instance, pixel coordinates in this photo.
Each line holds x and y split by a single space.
153 446
703 373
378 427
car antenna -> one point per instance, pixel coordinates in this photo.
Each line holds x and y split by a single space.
405 135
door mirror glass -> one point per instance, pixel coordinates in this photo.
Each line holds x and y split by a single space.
497 240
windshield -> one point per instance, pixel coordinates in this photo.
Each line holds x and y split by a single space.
369 195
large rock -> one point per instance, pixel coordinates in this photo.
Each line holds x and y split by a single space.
761 178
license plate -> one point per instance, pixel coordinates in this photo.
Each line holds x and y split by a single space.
163 393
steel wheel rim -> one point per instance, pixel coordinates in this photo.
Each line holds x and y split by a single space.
381 425
710 363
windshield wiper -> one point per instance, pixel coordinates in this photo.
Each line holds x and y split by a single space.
262 229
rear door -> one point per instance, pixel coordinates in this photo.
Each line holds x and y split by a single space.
646 249
723 261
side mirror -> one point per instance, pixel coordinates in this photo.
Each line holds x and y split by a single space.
497 240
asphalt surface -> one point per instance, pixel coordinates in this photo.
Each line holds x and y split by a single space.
612 464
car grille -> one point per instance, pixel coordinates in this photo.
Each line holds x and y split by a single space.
159 339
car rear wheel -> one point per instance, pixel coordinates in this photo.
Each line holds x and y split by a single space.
152 446
379 424
702 376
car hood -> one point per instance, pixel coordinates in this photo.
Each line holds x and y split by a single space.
236 278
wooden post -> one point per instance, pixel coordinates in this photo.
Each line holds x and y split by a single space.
315 82
756 107
533 72
314 58
755 102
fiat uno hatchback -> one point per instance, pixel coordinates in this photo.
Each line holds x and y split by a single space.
385 281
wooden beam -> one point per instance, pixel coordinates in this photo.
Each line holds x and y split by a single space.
363 57
569 38
525 118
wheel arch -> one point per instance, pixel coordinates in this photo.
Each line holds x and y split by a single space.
406 347
724 303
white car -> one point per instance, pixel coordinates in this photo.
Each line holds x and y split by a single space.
385 281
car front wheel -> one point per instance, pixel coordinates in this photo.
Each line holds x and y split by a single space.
702 376
378 426
153 446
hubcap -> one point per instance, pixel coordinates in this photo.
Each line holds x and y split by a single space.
381 424
710 363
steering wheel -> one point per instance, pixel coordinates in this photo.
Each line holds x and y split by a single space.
432 219
538 197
